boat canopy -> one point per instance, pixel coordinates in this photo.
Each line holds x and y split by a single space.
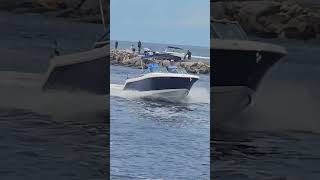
230 30
172 47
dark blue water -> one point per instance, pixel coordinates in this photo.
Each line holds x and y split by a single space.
279 138
151 139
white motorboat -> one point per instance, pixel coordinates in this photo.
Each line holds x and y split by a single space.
158 83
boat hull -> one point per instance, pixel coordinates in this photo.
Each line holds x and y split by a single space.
86 71
170 95
166 56
239 67
158 85
159 81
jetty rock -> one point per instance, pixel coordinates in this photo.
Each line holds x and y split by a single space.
272 18
126 58
83 10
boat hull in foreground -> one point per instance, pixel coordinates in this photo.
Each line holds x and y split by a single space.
86 71
239 68
170 95
164 86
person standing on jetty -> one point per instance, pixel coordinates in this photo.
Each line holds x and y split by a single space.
189 54
116 45
139 46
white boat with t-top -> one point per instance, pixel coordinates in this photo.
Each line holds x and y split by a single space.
158 83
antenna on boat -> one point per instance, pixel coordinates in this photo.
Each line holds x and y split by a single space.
102 15
104 18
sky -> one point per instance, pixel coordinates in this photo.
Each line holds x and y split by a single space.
181 22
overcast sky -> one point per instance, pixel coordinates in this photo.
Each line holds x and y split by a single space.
184 22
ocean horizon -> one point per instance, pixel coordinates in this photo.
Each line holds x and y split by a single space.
196 50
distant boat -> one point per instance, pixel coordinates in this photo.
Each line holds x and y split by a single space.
239 66
176 51
171 53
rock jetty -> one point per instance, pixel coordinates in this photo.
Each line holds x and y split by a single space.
272 18
83 10
126 58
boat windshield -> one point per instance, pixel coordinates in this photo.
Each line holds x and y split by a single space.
228 30
156 69
181 71
160 69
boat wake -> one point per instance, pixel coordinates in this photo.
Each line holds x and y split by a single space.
284 106
23 91
196 95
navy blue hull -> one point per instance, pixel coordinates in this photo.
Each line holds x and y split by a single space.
160 83
88 76
167 57
240 68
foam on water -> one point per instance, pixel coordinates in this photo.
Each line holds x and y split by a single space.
23 91
280 105
196 94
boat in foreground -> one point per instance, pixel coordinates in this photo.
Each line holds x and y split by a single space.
239 66
83 71
158 83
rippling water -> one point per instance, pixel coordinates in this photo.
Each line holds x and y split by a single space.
278 138
151 139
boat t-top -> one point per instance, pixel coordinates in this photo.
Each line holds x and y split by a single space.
176 51
171 53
